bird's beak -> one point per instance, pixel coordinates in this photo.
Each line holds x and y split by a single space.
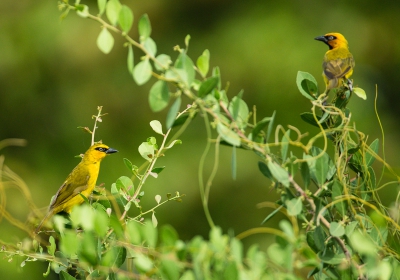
321 38
111 151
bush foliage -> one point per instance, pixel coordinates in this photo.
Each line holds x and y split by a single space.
336 226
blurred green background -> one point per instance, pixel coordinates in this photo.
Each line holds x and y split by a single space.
53 77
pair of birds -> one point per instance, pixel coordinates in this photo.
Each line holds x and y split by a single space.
337 68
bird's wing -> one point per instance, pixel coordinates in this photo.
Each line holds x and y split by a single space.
338 68
69 189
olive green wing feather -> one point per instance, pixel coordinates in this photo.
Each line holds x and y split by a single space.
337 69
72 186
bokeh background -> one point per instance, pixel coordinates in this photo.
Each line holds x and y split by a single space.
53 77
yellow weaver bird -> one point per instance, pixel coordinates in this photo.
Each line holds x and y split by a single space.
81 180
338 61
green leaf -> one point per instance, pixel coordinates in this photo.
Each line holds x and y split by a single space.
149 234
168 236
336 229
130 60
156 126
101 223
144 27
239 110
125 183
185 69
203 63
105 41
319 238
65 276
150 46
207 86
337 191
363 244
159 96
52 247
133 232
265 170
173 112
270 125
333 258
158 170
360 93
369 158
142 262
142 72
294 206
102 6
147 150
228 135
309 118
82 10
113 8
285 145
318 165
217 73
125 18
115 192
279 173
305 174
233 163
164 60
170 269
272 214
254 135
307 85
88 250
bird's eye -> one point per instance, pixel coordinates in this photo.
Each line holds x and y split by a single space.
330 38
101 149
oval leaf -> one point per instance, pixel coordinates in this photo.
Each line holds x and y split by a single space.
144 27
129 60
203 63
156 126
360 93
307 85
113 8
172 113
105 41
142 72
125 18
228 135
207 86
159 96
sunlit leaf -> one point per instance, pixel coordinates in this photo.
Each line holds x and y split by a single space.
142 72
102 6
156 126
228 135
146 150
360 93
130 60
207 86
185 69
159 96
203 62
164 60
144 27
125 18
173 112
307 85
279 173
294 206
150 46
113 7
105 41
336 229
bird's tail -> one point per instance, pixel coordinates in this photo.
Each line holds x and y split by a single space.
45 219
